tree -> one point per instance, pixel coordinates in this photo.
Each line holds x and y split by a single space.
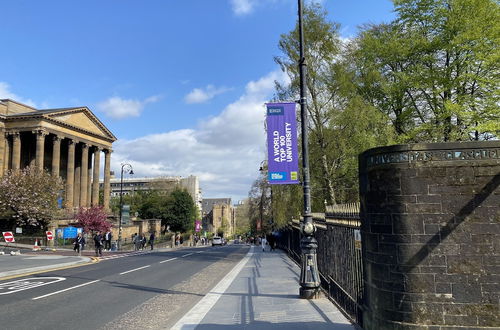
322 47
29 196
435 70
341 124
179 211
93 219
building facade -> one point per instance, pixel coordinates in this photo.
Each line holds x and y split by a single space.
219 216
67 142
164 184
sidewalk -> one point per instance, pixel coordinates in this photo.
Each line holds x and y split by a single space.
262 294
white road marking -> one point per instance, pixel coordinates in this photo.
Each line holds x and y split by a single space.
133 270
192 318
167 260
27 283
63 290
186 255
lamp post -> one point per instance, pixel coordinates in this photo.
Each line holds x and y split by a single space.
309 275
127 168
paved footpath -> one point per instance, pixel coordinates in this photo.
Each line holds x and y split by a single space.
262 293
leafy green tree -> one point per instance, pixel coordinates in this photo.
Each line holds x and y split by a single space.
180 211
435 69
29 196
341 123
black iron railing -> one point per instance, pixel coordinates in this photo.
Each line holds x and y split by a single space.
339 255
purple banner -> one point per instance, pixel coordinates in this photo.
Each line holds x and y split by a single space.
282 155
197 226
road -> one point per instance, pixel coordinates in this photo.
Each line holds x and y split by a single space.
151 290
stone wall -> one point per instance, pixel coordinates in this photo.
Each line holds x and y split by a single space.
430 228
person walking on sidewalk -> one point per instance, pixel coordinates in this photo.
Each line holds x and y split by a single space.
152 240
98 244
79 241
263 241
107 241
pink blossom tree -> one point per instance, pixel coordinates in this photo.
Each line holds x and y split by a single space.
29 196
93 219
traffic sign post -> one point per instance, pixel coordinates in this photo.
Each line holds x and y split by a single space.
50 235
8 236
50 238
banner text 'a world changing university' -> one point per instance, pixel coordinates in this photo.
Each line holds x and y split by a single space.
283 164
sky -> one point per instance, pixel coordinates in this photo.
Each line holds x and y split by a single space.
181 83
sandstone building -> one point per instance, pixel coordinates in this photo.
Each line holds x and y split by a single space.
67 142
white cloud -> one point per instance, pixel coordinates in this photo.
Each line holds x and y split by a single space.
5 93
242 7
118 108
223 151
199 95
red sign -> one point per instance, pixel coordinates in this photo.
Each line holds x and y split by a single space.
8 236
50 236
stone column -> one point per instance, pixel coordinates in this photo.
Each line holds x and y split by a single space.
78 177
95 183
16 151
89 180
107 178
56 155
3 154
84 179
70 174
7 154
40 148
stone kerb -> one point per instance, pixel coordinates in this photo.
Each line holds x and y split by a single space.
430 225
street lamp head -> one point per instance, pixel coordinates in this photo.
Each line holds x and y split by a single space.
131 172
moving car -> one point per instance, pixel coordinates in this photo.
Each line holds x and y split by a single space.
217 241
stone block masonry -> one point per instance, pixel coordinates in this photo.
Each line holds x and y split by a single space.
430 226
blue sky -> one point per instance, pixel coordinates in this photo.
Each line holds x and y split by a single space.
181 83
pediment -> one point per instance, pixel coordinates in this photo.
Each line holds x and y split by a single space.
82 119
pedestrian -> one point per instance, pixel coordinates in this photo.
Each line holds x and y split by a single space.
107 240
177 240
143 241
263 241
137 242
152 240
98 238
78 243
272 241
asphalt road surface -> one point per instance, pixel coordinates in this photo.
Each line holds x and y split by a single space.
152 290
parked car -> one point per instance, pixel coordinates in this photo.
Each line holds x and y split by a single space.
216 240
224 242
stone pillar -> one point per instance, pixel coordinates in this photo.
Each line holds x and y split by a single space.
70 175
430 227
107 178
3 154
84 180
40 149
89 180
56 155
16 151
95 183
78 177
7 154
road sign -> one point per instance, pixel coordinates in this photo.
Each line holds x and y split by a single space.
50 236
8 236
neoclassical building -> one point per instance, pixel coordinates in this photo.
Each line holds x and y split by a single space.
67 142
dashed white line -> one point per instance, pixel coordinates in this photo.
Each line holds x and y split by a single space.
133 270
63 290
187 255
167 260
